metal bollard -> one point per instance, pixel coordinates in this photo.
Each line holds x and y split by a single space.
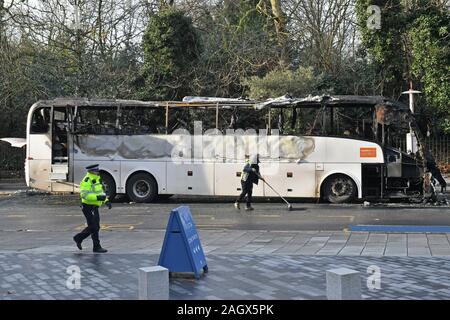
343 284
153 283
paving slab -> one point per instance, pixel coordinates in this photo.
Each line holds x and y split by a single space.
242 241
114 276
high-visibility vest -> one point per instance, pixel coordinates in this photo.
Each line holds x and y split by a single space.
90 187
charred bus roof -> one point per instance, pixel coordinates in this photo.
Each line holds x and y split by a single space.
326 100
280 102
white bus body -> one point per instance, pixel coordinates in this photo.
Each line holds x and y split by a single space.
302 167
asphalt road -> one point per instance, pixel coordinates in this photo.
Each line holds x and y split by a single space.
20 212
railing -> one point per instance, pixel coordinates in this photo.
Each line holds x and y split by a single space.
439 147
11 161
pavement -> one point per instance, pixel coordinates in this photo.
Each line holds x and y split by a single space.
235 276
255 265
267 254
254 242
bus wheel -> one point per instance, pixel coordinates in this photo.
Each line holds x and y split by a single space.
110 184
339 189
142 187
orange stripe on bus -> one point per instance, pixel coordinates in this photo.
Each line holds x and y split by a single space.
368 152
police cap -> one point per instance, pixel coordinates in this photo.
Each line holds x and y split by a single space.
93 167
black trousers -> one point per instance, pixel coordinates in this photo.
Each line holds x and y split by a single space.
93 225
438 176
247 189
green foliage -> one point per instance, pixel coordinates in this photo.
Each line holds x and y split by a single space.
357 77
412 45
384 45
230 49
239 41
171 50
279 82
429 36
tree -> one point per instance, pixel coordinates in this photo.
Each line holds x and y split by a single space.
171 51
411 46
279 82
384 45
44 54
281 31
429 36
239 41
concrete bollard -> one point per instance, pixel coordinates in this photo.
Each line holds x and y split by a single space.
343 284
153 283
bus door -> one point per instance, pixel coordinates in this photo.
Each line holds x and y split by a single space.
61 120
39 149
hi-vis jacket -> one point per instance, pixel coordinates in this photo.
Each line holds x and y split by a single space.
250 173
91 187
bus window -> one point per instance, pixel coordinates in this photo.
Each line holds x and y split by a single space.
305 121
59 115
247 118
207 116
352 122
138 120
98 120
59 140
40 121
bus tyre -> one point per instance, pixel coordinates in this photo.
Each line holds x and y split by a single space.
142 187
110 185
339 189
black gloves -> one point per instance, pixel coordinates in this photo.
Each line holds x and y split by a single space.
101 198
108 204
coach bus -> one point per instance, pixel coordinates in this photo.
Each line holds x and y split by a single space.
337 148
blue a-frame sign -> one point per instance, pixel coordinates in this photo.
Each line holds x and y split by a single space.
182 250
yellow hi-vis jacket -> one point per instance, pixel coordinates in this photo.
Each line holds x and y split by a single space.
91 187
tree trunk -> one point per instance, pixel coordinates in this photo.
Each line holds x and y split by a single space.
2 8
280 28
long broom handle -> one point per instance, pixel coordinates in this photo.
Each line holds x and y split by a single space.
274 190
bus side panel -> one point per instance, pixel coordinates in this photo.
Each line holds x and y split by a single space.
195 178
39 171
39 155
290 179
228 180
112 167
352 151
156 168
39 147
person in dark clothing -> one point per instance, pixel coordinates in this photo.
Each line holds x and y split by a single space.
434 170
92 194
250 175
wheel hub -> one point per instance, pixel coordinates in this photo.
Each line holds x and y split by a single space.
141 188
341 187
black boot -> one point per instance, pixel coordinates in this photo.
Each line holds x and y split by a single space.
100 250
78 243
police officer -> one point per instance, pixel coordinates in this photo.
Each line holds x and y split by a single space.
250 175
92 194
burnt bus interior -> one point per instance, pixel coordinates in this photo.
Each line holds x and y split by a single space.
374 119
